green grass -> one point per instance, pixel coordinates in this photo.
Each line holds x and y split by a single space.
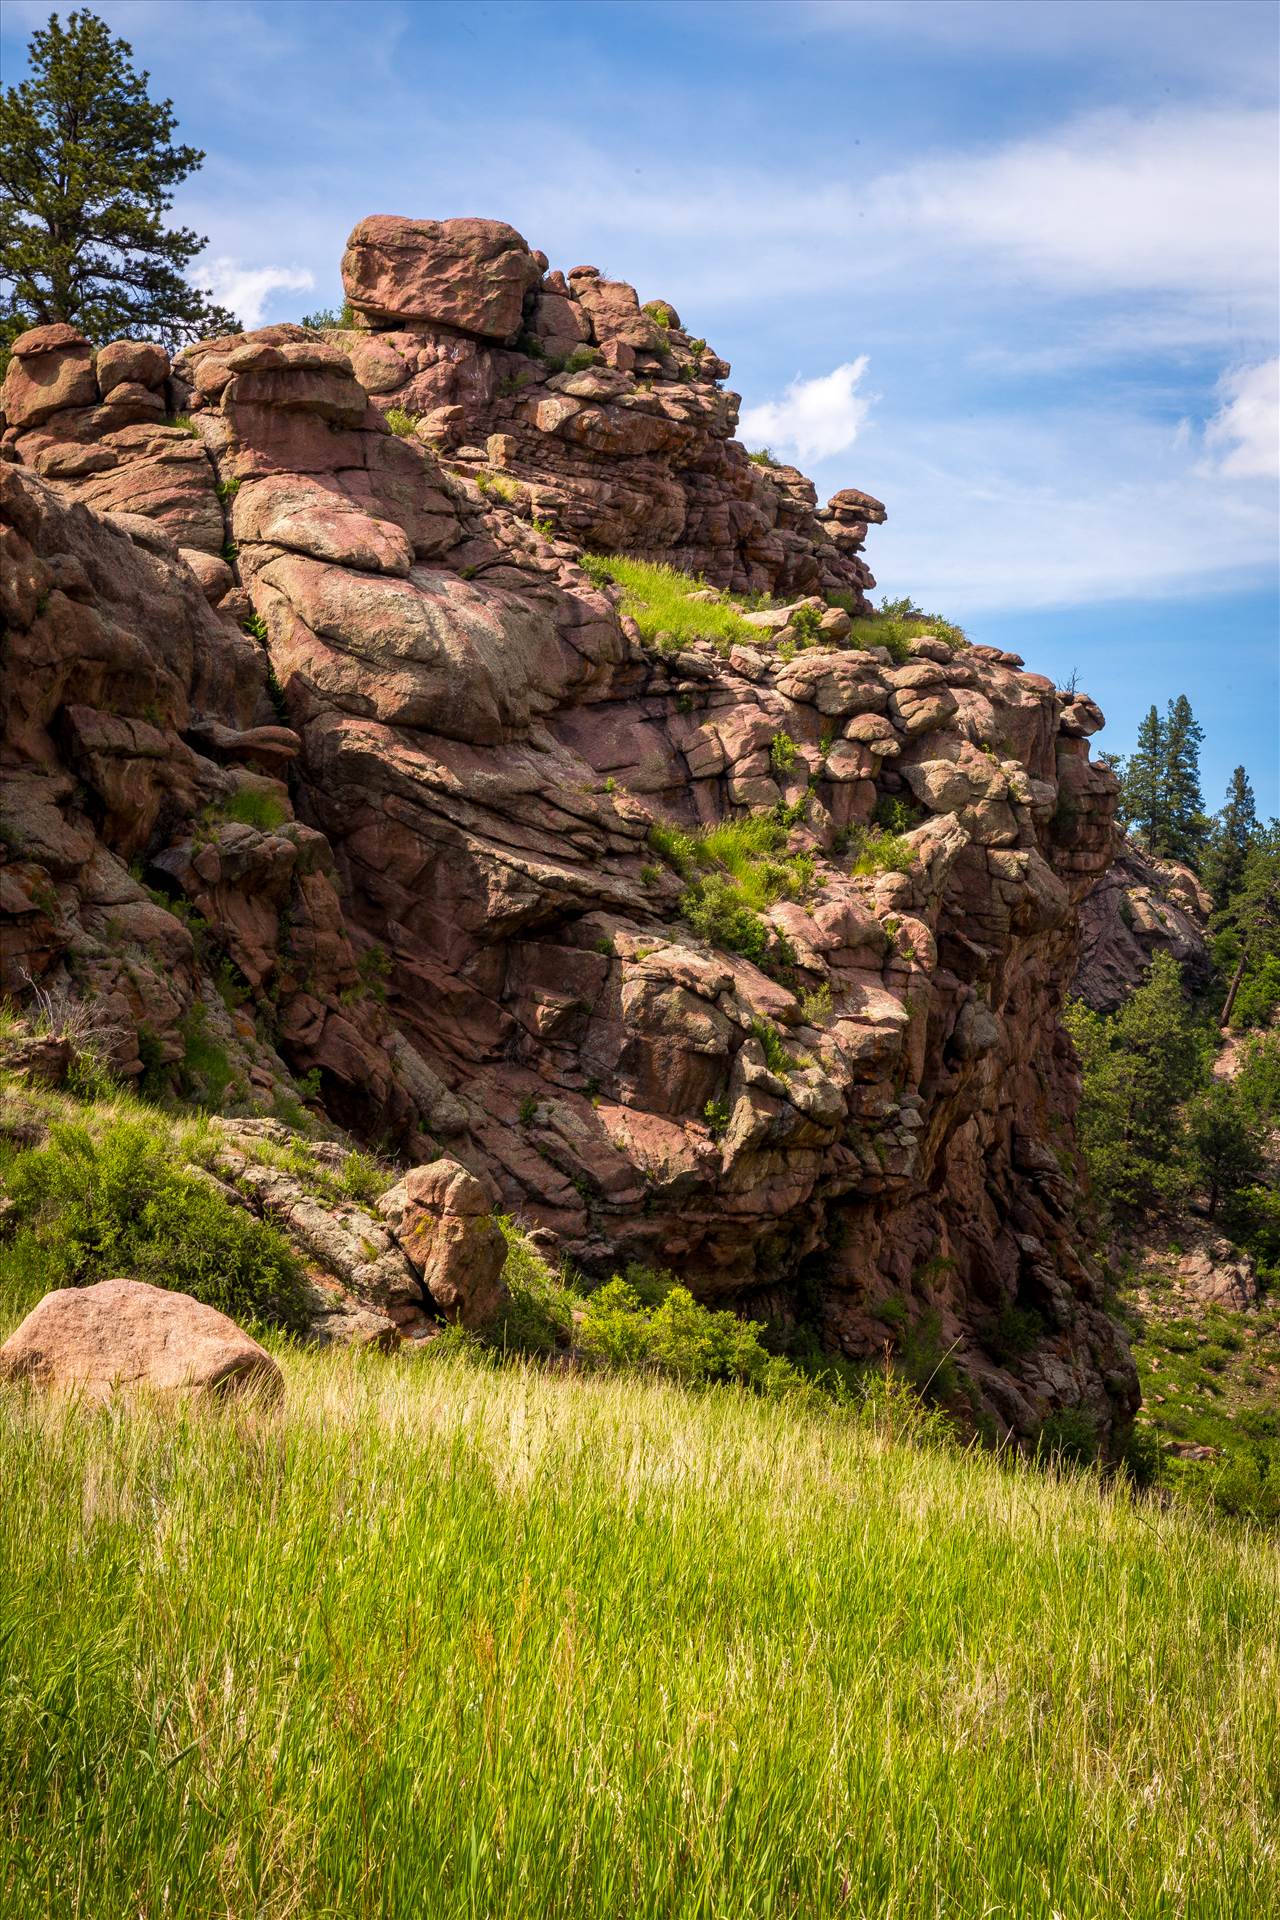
896 625
252 807
401 422
658 599
448 1640
876 851
1209 1380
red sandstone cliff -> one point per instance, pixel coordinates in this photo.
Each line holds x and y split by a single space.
230 577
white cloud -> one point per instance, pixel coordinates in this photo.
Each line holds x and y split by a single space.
1243 437
815 418
246 290
1107 204
1008 511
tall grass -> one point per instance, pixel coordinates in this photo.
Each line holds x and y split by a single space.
658 599
444 1640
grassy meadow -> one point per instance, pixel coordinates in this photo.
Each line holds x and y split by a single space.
451 1639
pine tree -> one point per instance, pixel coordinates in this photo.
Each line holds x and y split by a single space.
1182 826
1140 783
1234 831
87 170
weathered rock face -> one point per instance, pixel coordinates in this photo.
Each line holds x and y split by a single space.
124 1336
468 274
461 921
442 1219
1138 908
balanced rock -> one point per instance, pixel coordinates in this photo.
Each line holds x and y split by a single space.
51 369
469 274
125 1336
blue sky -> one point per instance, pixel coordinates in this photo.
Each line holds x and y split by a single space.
1012 267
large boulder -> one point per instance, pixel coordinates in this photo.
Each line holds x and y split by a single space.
469 274
442 1218
51 369
125 1336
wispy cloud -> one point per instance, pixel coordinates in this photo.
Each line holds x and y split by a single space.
1243 437
1111 203
1008 511
815 418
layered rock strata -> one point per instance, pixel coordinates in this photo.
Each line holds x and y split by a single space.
468 919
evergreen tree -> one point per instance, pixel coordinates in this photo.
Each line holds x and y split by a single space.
1246 933
1141 780
87 169
1182 827
1234 831
1140 1064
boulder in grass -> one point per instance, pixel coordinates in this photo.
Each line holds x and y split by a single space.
123 1336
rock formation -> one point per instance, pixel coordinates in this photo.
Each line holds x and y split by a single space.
1138 908
310 698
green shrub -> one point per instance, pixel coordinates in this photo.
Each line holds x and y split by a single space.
204 1072
782 753
1140 1458
253 807
776 1057
1012 1332
580 359
806 622
762 457
537 1316
118 1204
815 1004
897 815
679 1337
255 626
717 1114
1068 1437
923 1359
718 914
660 315
401 421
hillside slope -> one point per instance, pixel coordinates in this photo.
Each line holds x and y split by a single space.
489 1643
721 937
